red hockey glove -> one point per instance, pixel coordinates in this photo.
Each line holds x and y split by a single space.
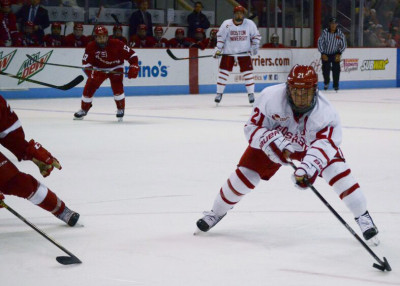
41 157
307 172
1 199
133 71
88 72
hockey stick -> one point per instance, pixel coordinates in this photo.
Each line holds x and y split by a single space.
115 19
383 265
64 260
67 86
199 57
75 67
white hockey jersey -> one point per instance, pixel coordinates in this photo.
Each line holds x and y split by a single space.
234 39
317 132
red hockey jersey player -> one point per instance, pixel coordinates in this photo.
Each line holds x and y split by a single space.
105 59
200 40
8 25
55 39
76 39
160 41
117 34
180 41
16 183
28 38
141 40
211 42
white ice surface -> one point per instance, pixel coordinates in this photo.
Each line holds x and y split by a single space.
141 185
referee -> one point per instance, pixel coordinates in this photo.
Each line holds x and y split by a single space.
331 45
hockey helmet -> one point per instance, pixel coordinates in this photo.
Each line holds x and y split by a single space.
239 9
179 31
142 27
158 29
56 25
301 88
117 27
78 26
101 36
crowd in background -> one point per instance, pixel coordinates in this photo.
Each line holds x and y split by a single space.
25 27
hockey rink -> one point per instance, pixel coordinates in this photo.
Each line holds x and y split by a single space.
141 185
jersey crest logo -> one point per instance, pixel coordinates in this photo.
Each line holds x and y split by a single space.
276 117
30 68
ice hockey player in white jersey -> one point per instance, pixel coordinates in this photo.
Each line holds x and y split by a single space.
293 120
237 36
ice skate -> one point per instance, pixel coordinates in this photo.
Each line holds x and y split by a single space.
208 221
69 217
80 114
218 98
336 89
326 86
120 114
251 98
368 228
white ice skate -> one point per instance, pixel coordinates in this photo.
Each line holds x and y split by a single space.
208 221
120 114
368 228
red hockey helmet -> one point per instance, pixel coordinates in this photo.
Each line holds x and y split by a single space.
180 31
117 27
142 27
199 30
158 29
100 30
239 9
78 26
301 88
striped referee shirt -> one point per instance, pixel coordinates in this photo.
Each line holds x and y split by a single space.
331 43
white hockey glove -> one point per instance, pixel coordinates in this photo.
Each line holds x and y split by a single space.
307 172
254 51
274 144
217 53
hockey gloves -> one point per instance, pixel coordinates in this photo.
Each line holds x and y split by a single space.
41 157
307 172
217 53
254 50
133 71
324 57
274 144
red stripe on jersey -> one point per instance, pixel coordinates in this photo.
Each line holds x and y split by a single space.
322 152
225 199
247 74
221 84
349 191
250 84
339 176
224 73
252 134
222 78
244 179
233 189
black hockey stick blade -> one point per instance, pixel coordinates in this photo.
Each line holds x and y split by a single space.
115 19
169 52
384 266
171 55
67 86
72 83
68 260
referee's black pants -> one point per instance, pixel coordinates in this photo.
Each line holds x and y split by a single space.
326 70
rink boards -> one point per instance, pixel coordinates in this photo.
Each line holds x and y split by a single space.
161 75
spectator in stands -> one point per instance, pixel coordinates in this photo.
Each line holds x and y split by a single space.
28 38
161 42
197 19
8 24
37 15
211 42
55 39
141 17
180 41
390 42
199 39
117 34
76 39
142 40
273 42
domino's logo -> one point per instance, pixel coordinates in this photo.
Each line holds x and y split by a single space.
158 70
